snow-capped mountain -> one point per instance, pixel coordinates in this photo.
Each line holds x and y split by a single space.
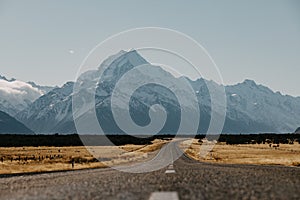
251 108
271 111
50 110
17 95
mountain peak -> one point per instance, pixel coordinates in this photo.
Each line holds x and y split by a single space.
68 84
115 66
249 82
4 78
133 57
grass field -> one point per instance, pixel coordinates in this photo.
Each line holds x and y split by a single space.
40 159
262 154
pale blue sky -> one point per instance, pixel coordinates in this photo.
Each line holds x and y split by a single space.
258 40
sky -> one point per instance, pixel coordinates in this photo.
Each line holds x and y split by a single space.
46 41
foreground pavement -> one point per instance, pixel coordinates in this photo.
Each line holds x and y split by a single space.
180 179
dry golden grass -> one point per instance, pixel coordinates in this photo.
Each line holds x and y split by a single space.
157 144
40 159
262 154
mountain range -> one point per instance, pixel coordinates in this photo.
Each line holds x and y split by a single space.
251 108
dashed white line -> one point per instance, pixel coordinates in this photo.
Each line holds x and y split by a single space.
170 171
164 195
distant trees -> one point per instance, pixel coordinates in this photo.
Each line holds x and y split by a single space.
97 140
257 138
57 140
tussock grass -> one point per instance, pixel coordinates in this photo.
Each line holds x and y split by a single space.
262 154
42 159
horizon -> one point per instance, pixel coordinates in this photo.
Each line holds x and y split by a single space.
253 40
163 68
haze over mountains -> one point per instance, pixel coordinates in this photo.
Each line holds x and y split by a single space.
251 108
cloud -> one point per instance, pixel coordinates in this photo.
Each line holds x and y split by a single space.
18 92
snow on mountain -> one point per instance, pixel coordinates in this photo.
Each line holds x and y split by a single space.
16 95
43 89
251 108
49 110
262 105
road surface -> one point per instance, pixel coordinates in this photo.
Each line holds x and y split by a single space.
184 179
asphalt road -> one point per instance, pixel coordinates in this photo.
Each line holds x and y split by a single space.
183 179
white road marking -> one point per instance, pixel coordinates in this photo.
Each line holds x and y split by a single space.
170 171
164 195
